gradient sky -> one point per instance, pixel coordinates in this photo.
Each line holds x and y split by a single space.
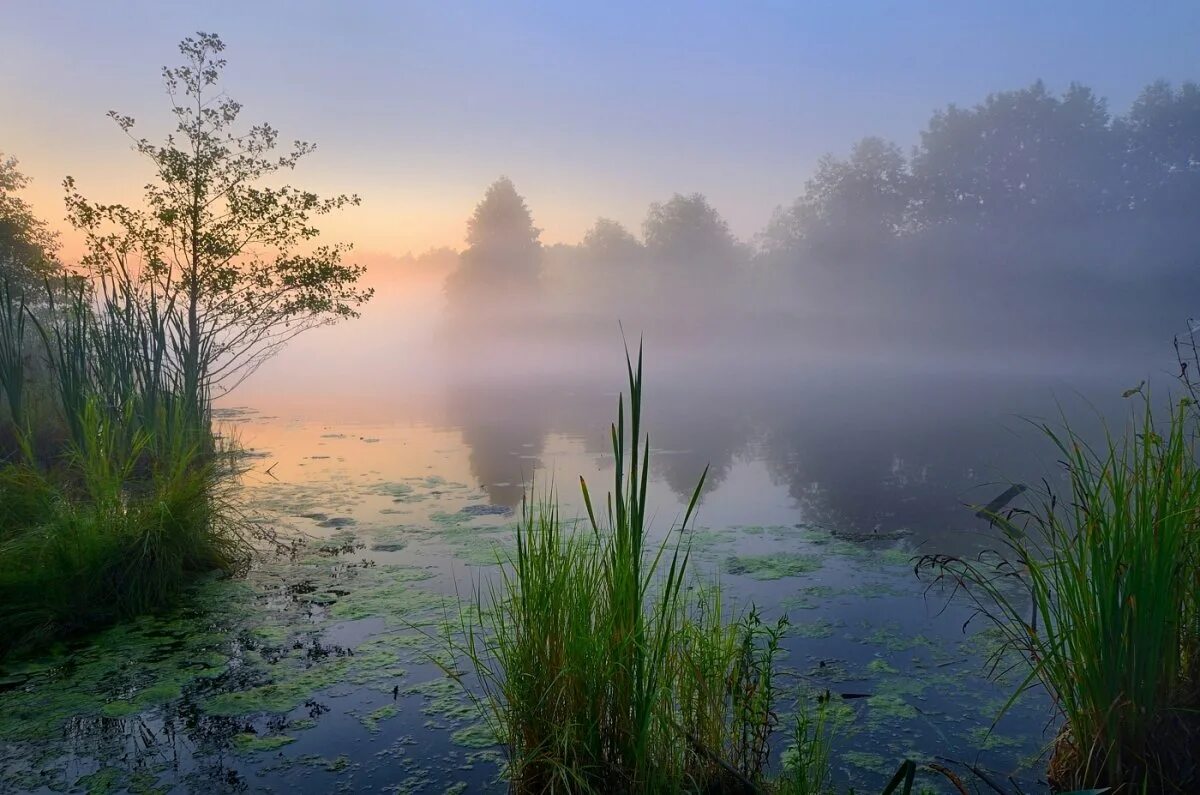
593 109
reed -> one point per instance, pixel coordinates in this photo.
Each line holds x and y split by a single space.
594 667
1100 595
117 515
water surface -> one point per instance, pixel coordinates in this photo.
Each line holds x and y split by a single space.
322 670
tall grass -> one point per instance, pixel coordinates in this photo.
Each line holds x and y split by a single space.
12 353
1107 615
596 668
114 516
806 763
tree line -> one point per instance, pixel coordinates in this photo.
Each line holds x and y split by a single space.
1029 206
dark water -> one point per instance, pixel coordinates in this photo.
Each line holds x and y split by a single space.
320 671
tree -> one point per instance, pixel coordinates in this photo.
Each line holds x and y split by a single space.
853 207
608 243
27 245
1161 138
503 255
688 237
232 261
1020 157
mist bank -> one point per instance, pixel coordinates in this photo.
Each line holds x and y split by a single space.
1030 225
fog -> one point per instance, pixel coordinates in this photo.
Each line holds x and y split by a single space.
875 350
1033 232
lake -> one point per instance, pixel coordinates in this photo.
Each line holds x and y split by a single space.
322 669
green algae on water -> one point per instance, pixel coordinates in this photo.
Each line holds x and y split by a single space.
773 567
881 666
248 742
372 719
478 735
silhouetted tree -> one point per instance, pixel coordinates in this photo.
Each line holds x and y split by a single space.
851 208
611 262
27 245
1022 156
689 242
1161 140
229 256
503 257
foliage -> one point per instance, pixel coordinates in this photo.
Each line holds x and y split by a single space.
1101 597
27 245
115 513
73 561
806 762
230 260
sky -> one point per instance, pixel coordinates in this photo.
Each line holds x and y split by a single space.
592 109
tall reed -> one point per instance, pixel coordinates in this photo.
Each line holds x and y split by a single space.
117 519
595 668
13 352
1107 614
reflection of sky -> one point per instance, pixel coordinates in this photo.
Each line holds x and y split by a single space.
864 454
593 109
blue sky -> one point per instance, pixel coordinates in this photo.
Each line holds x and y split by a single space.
592 109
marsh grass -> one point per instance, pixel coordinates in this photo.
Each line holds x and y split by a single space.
807 761
599 669
117 496
1107 612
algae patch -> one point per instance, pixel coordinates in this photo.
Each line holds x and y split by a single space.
372 719
773 567
248 742
478 735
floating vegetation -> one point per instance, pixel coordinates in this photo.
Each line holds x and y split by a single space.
881 666
372 719
486 510
773 567
248 742
477 735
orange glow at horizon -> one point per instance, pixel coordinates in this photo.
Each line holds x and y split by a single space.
389 223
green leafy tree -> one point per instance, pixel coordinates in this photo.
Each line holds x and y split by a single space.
27 245
230 257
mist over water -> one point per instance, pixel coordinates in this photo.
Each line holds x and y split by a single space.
879 439
857 370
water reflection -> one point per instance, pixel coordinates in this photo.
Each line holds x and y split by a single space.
864 453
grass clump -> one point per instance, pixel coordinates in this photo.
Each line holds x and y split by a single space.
1100 595
598 672
113 492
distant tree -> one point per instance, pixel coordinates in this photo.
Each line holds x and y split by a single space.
27 245
229 255
687 237
608 242
853 207
503 255
1161 140
1022 156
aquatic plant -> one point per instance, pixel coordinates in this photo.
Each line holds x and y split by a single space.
1101 597
117 514
806 761
592 666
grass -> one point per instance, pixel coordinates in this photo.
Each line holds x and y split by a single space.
1107 612
806 762
113 495
597 670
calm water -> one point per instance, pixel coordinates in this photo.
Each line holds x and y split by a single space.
317 672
